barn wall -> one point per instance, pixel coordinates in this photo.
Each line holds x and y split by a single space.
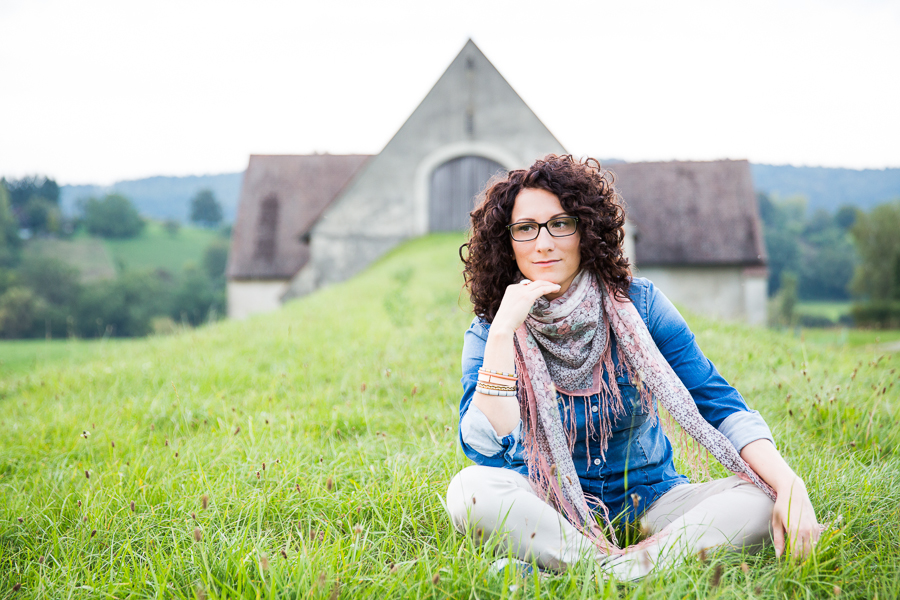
246 298
728 292
469 111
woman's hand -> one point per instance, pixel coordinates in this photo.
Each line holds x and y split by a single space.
517 302
795 516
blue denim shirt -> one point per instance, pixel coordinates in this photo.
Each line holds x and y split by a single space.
639 457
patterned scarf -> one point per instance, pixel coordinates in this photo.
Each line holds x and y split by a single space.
564 345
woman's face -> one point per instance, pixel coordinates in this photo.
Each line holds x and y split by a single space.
554 259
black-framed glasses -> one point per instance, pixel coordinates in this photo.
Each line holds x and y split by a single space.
526 231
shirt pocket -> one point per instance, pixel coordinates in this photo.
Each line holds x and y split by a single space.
634 414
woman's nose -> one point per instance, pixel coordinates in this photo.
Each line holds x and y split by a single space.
544 240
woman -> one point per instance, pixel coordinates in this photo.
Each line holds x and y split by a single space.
564 366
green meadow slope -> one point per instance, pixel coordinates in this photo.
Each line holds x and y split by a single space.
305 454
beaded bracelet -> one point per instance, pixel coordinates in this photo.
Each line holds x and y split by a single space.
493 393
496 386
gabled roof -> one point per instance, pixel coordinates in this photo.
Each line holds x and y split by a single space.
692 213
302 187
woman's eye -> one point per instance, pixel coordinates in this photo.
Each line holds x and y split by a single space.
525 228
559 224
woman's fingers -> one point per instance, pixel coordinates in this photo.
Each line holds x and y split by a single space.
778 535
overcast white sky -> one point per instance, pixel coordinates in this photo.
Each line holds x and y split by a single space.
95 91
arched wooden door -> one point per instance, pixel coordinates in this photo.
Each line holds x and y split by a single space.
454 186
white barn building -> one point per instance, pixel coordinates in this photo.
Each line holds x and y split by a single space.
308 221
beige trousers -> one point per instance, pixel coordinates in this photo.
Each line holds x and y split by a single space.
500 505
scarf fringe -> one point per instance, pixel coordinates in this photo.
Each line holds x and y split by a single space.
549 441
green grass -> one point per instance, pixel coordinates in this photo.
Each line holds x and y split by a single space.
23 356
156 249
324 436
830 310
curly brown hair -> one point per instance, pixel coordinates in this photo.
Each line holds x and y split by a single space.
584 190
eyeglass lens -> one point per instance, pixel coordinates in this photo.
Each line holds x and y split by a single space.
529 230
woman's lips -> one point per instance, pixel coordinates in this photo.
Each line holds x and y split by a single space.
546 263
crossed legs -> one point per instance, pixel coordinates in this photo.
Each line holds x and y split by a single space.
492 502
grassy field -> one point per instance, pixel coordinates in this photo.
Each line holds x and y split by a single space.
304 454
831 310
153 249
156 249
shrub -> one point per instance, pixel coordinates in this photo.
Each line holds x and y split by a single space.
113 216
122 307
196 299
215 258
52 279
877 314
20 309
814 321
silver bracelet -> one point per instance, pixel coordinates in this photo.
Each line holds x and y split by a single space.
486 392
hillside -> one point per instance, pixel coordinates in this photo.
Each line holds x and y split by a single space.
162 197
306 452
153 249
829 189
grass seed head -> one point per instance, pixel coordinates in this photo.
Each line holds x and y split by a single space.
435 579
200 592
87 474
716 578
357 529
284 555
745 568
113 444
264 466
198 535
93 532
79 504
264 562
21 520
41 560
204 501
132 506
335 591
194 516
394 568
758 590
17 587
329 485
238 430
837 590
85 519
702 555
362 387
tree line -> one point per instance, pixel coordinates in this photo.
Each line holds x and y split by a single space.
42 296
851 254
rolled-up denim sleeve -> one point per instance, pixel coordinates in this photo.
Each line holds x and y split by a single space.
718 402
477 436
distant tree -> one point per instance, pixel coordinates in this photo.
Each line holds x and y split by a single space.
40 215
172 226
53 280
112 216
877 277
205 209
35 203
19 312
196 299
10 243
846 217
215 259
122 307
24 189
786 300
